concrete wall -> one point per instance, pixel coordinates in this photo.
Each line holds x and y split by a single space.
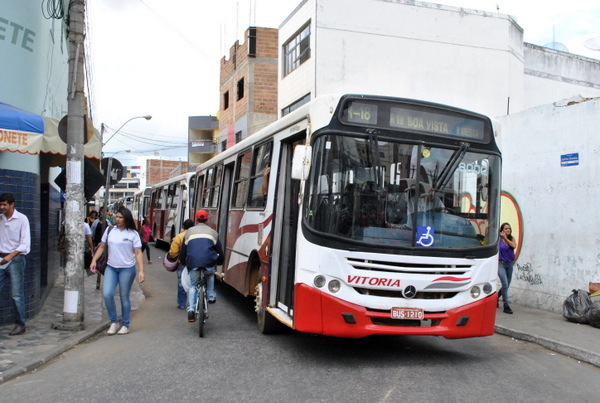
551 74
561 239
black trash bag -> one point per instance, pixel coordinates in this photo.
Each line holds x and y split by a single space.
576 306
593 314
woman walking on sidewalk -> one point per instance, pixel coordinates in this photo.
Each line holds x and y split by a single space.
124 250
506 256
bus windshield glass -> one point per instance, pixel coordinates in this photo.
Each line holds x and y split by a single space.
402 195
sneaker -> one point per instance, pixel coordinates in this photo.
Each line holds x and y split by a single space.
17 330
191 316
212 301
149 261
112 329
123 330
180 307
508 310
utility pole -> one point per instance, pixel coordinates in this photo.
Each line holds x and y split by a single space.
75 204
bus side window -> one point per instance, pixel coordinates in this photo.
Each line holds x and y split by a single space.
259 181
241 179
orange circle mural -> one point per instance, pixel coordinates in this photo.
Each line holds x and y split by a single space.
510 212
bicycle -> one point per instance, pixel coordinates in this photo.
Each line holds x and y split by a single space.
201 309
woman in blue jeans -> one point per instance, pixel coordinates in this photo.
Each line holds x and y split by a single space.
124 250
506 256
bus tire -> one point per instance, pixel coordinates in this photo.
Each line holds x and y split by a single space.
267 324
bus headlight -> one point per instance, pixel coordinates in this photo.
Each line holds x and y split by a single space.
319 281
487 288
475 292
334 286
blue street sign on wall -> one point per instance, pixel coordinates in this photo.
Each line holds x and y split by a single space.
567 160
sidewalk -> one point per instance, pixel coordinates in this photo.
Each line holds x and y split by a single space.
41 343
551 330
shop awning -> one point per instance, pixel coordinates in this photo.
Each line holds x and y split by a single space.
27 133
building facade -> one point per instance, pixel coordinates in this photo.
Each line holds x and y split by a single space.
34 61
159 170
466 58
248 86
202 139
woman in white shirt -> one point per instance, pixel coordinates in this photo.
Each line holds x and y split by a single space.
124 250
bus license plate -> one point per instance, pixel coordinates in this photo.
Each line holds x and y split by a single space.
408 313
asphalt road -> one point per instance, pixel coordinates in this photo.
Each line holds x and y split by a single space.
163 359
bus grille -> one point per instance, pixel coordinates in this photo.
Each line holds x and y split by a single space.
398 294
409 268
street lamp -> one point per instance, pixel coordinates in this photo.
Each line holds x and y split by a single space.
147 117
108 171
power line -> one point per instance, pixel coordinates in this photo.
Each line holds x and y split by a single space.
176 31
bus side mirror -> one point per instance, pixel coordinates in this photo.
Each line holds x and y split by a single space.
301 162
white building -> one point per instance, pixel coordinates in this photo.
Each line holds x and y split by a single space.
467 58
478 61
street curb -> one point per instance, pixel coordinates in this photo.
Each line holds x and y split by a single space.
67 344
557 346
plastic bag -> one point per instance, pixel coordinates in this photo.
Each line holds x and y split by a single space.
576 306
593 315
185 280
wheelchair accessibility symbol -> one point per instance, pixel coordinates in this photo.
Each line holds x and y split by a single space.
425 236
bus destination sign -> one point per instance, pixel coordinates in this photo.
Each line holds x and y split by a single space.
415 118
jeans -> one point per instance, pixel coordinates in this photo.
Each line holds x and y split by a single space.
181 294
505 271
16 272
210 287
124 277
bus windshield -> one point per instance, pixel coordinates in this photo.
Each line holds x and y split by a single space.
402 195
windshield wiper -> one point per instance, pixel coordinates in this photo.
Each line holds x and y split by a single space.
450 167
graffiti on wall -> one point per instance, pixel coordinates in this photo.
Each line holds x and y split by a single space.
525 272
510 212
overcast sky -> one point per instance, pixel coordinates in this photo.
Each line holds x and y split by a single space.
161 58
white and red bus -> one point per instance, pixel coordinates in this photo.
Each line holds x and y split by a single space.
379 216
141 206
170 206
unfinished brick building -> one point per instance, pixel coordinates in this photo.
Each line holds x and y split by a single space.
248 86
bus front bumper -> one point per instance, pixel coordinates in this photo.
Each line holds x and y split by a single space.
321 313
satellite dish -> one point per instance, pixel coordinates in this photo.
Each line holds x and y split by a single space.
592 43
557 46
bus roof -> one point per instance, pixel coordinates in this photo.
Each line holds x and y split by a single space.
185 176
320 116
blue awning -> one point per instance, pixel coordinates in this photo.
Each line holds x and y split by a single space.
13 118
28 133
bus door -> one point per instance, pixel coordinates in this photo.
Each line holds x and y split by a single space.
224 210
284 234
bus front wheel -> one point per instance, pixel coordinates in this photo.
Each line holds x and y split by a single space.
267 324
